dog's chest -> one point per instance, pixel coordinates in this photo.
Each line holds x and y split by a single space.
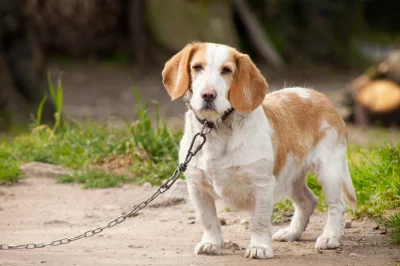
225 176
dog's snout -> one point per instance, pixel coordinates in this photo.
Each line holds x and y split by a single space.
208 95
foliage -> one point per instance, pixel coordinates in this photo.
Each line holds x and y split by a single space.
376 175
394 222
9 171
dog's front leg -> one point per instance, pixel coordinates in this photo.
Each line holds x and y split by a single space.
200 193
260 244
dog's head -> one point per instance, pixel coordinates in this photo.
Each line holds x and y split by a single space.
215 78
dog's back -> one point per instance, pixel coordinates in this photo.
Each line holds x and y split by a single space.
300 119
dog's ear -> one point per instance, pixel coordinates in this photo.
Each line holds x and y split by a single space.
248 87
176 73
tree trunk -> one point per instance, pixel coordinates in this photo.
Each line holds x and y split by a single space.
257 36
374 97
137 34
328 28
173 24
25 63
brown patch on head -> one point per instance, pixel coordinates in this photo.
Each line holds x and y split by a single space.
198 59
248 87
298 123
176 73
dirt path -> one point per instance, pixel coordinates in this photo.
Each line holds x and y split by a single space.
38 209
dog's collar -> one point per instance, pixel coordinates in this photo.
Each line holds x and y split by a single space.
210 124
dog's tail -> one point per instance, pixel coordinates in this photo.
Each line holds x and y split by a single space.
348 189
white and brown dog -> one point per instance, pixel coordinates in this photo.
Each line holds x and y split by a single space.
262 152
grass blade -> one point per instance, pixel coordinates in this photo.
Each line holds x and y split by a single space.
51 88
39 111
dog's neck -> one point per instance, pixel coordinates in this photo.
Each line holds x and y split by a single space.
210 124
235 119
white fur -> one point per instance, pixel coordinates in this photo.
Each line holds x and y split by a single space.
236 164
301 92
324 125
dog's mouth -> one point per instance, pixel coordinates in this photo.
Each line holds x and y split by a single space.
209 112
208 107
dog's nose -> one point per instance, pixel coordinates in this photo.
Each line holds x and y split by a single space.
208 95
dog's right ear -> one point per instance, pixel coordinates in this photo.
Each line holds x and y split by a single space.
176 73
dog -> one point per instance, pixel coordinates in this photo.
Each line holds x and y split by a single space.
261 152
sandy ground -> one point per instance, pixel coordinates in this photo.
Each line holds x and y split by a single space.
38 209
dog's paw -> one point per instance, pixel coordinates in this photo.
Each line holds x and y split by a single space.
207 248
254 252
327 242
286 234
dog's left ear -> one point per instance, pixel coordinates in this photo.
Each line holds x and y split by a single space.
248 87
176 73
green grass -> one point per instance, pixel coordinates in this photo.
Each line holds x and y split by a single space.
394 223
151 150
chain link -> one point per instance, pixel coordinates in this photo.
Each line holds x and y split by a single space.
163 188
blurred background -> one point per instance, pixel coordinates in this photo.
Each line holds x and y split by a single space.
101 48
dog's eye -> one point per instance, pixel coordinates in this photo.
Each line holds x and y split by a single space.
197 68
226 70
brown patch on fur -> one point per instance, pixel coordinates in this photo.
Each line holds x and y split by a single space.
248 86
176 73
297 123
199 57
205 183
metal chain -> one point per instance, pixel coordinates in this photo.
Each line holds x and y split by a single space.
164 187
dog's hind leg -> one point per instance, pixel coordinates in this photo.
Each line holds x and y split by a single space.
304 202
330 175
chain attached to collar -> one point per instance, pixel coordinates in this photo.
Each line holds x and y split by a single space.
204 121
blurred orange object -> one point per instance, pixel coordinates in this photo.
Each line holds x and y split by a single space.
379 96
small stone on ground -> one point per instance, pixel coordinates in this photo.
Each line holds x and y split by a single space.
347 224
230 245
147 185
37 169
167 203
178 190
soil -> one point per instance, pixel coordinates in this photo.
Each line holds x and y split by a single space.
39 209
